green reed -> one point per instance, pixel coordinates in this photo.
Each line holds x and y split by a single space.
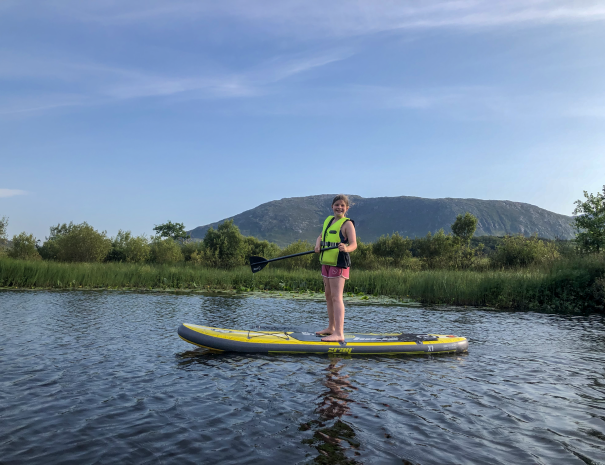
565 285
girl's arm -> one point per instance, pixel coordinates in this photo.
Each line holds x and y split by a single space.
349 232
318 244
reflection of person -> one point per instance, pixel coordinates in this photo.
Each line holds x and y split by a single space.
335 401
337 230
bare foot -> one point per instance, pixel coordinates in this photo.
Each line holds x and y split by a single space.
334 337
324 331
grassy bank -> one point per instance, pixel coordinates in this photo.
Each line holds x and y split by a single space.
574 285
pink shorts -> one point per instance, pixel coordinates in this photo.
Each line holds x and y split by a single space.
328 271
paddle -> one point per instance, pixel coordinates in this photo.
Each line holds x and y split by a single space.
258 263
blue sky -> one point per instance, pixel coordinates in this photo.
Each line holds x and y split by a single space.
130 113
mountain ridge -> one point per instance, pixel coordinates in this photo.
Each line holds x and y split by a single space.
289 219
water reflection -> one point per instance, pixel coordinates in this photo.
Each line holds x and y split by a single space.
335 401
333 438
189 358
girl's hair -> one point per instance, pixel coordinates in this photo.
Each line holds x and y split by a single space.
342 197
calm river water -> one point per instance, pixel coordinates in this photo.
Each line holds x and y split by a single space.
102 377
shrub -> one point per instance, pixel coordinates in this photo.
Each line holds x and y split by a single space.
516 251
363 258
51 248
468 257
127 248
164 251
567 248
485 245
199 257
258 248
393 250
76 243
192 251
224 247
24 247
304 261
437 251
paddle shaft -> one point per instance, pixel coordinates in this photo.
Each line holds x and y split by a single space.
296 255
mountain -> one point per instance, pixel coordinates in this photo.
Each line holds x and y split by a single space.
287 220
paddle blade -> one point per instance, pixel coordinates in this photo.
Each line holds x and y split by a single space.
257 263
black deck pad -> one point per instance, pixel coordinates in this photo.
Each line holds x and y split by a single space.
365 337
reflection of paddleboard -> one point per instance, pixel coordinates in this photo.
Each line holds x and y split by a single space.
234 340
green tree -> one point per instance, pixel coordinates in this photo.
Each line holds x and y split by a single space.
164 251
464 228
590 222
51 247
364 258
256 247
3 228
193 251
136 248
76 243
438 250
128 248
198 257
175 231
225 246
3 238
24 247
393 250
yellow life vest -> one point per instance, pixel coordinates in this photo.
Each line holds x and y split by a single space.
332 236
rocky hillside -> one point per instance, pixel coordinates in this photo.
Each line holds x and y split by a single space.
287 220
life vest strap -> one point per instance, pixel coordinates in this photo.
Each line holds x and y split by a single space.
329 244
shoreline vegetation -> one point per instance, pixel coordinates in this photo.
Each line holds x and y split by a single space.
564 286
511 272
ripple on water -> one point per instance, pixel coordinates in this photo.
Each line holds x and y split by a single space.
102 377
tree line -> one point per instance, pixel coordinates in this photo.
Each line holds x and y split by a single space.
225 247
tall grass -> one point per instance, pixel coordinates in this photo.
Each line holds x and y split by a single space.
56 275
564 285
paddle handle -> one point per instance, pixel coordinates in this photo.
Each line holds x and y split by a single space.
297 254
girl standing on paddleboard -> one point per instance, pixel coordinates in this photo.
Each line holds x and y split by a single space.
335 263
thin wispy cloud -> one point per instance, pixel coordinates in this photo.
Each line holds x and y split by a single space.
481 102
457 102
246 83
93 83
461 103
593 108
40 102
343 17
11 192
284 67
371 16
70 76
